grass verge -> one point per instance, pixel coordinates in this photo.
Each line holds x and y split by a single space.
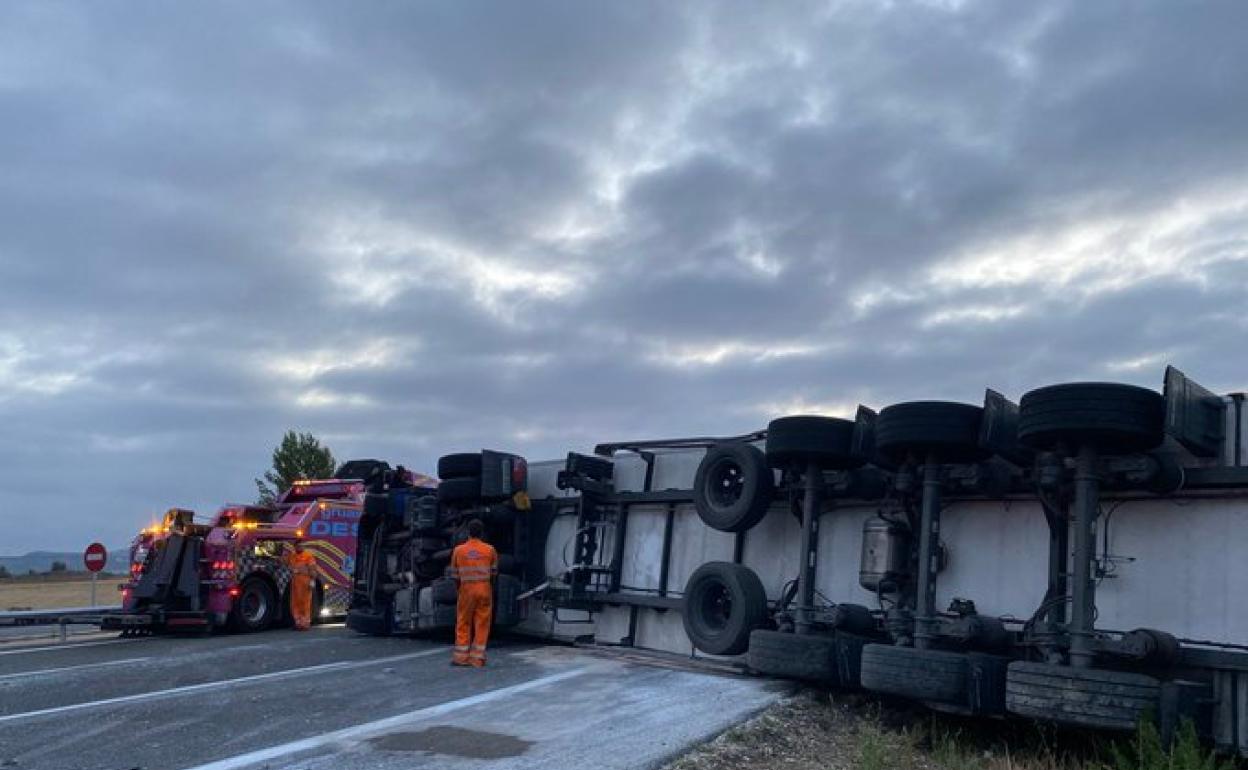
815 731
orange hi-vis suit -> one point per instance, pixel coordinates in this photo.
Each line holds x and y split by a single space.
474 564
302 577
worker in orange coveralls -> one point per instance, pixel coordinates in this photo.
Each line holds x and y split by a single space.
474 564
302 582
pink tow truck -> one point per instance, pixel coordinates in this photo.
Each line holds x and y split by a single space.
230 573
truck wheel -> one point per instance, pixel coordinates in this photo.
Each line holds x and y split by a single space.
801 439
376 507
723 603
444 591
1111 417
793 656
255 607
733 487
460 490
948 429
1110 700
507 609
373 624
459 466
925 675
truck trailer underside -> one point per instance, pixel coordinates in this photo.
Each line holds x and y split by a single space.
1077 557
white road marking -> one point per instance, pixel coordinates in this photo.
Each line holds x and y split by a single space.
382 725
72 668
176 691
69 646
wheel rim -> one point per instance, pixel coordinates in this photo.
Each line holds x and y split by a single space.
715 603
725 483
254 607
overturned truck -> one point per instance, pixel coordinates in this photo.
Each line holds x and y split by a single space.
1077 557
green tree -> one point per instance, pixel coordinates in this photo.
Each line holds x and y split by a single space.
60 566
4 572
298 456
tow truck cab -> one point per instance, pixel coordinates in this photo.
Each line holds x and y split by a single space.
231 571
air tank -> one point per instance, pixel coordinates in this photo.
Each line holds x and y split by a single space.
885 555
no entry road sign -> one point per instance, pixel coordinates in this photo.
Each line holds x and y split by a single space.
95 557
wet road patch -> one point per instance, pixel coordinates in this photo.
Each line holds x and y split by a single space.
454 741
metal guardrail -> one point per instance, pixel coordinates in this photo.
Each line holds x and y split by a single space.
58 616
25 617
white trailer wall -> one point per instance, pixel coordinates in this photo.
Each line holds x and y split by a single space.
1178 563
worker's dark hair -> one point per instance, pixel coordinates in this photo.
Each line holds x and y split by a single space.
476 528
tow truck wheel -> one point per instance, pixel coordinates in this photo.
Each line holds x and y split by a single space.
256 606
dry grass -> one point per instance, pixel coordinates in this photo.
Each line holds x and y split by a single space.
46 594
813 731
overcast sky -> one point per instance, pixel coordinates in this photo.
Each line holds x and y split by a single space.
420 228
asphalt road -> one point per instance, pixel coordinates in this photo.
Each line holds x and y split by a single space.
330 698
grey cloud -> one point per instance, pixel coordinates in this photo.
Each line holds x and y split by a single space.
415 230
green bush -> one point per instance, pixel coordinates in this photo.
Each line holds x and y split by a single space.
1146 751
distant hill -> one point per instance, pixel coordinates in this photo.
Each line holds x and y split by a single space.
41 561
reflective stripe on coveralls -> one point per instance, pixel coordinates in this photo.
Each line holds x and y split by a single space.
474 563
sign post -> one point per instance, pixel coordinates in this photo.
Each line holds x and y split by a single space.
94 559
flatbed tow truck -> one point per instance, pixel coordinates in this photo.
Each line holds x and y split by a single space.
230 573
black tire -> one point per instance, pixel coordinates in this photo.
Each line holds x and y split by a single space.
445 591
1108 416
362 470
498 514
460 490
801 439
926 675
1107 700
507 609
808 657
733 487
444 616
459 466
373 624
255 608
948 429
429 544
376 507
723 603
